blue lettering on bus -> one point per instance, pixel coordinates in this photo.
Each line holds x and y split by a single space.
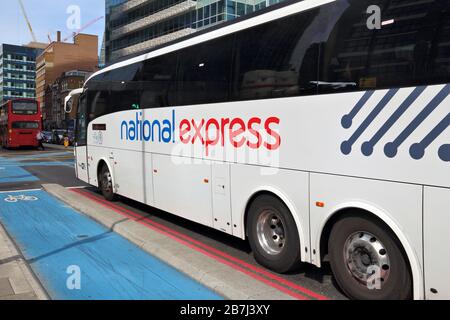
139 129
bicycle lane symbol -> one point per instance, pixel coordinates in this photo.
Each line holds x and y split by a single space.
15 199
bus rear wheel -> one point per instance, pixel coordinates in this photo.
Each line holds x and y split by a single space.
367 260
273 234
106 183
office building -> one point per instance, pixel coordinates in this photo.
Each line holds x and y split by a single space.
18 71
136 26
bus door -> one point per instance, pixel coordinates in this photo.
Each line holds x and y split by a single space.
221 197
436 239
81 159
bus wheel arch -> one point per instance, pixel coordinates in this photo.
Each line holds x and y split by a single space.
273 216
104 170
388 226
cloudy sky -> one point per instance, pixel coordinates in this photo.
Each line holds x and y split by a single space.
47 17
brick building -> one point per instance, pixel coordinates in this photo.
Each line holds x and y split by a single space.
68 81
60 57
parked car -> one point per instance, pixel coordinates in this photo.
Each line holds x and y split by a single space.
47 136
58 136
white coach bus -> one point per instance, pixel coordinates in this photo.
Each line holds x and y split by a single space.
318 130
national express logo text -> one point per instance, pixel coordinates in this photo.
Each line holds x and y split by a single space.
255 133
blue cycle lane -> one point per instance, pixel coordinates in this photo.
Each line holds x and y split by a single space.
77 258
12 169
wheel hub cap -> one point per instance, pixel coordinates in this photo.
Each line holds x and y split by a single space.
367 259
271 233
107 182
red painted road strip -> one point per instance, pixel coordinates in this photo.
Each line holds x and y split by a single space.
149 224
212 251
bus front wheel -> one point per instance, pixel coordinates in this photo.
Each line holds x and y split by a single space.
367 260
106 183
273 234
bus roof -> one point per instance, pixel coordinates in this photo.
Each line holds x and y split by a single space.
18 99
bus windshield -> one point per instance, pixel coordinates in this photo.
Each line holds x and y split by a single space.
24 107
25 125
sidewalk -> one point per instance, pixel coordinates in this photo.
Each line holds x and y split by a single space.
16 280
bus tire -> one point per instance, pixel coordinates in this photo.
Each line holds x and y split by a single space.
273 234
367 260
106 183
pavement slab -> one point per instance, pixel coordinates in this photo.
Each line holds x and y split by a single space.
17 282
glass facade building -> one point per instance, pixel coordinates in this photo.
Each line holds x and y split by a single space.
17 72
134 26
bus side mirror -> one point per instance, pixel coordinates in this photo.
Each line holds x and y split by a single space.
69 106
69 100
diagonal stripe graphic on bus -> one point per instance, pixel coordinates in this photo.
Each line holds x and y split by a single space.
444 152
346 146
367 147
391 148
417 150
347 120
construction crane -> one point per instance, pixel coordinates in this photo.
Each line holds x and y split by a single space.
33 36
87 25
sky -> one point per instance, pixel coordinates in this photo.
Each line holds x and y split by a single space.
47 17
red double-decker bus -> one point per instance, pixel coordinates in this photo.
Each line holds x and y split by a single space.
20 122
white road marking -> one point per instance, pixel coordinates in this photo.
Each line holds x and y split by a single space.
22 197
18 191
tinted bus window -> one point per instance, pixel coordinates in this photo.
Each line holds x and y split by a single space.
114 91
277 59
99 103
158 82
81 124
25 125
439 62
204 72
24 107
404 49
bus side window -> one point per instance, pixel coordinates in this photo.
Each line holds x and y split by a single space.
99 104
81 127
277 59
114 91
356 56
204 72
158 82
439 61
